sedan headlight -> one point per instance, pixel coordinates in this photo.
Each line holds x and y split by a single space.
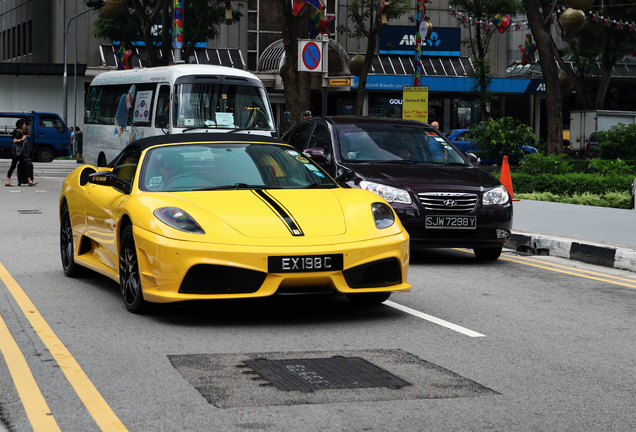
383 215
389 193
178 219
498 195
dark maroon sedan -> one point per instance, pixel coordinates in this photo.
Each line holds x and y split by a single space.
441 197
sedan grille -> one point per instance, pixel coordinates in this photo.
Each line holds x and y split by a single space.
448 202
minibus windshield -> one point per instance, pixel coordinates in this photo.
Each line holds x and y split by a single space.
221 105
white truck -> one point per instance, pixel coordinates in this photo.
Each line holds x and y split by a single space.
584 123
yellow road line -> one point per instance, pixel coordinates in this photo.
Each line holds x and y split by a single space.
34 404
103 415
632 285
578 272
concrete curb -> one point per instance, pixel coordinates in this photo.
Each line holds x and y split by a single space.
588 252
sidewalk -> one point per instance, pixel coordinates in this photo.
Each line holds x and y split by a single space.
595 235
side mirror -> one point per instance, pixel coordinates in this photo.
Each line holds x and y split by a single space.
107 178
345 176
474 160
317 154
286 118
162 120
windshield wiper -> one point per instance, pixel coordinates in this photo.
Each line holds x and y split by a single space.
319 186
237 186
398 161
455 164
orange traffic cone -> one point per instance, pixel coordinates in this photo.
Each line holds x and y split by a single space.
505 177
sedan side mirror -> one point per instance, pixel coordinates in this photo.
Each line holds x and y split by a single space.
107 178
474 160
317 154
345 176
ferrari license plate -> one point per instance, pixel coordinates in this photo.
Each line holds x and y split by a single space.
304 263
451 222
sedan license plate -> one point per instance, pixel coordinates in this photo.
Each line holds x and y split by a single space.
451 222
304 263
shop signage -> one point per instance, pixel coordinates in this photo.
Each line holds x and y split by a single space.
415 103
444 41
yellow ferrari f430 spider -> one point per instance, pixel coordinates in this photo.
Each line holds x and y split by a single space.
218 216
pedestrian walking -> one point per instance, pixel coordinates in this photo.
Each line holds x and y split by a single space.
19 151
79 143
307 115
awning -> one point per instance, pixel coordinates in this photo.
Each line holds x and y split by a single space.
213 56
387 64
44 69
625 69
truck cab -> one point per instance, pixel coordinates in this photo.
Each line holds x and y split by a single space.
47 135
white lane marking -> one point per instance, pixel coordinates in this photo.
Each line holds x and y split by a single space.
433 319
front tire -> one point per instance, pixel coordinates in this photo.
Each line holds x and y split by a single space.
367 299
71 269
44 154
129 278
488 254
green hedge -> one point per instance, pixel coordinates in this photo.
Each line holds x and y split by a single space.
571 184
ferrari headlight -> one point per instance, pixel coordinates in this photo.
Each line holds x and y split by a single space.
383 215
178 219
389 193
498 195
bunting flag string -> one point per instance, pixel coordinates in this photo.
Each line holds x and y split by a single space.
499 21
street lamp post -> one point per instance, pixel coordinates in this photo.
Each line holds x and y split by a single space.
93 5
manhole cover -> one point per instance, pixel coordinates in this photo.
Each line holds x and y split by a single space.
29 211
343 376
325 373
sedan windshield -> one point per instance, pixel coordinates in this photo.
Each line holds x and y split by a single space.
216 105
395 144
229 166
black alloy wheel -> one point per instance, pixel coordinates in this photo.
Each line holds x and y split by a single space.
71 269
129 278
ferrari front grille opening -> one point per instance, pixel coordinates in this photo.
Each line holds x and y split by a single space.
216 279
380 273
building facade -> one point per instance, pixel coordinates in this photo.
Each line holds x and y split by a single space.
33 37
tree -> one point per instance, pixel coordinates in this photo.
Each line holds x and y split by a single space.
479 37
539 14
367 24
297 84
202 20
595 50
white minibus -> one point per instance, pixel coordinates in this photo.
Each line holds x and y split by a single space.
123 106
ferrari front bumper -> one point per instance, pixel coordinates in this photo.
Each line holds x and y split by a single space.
238 271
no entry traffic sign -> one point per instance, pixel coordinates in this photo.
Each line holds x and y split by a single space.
310 58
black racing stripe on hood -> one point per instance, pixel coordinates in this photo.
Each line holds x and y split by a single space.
281 211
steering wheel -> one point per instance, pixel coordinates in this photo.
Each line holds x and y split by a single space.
174 181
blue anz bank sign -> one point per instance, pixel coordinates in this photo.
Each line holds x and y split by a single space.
444 41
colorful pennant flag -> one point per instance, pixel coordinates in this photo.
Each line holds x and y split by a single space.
178 24
527 51
381 8
319 24
501 22
122 58
297 5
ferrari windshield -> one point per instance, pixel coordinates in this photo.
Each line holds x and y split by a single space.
221 105
395 144
191 167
